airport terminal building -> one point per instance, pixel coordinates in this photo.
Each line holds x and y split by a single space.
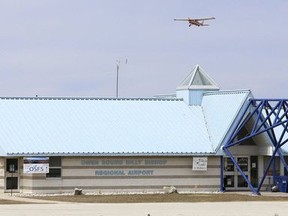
199 139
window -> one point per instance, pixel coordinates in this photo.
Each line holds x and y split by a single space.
229 181
12 165
228 165
243 163
54 167
11 183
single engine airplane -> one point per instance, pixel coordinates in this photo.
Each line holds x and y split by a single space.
196 22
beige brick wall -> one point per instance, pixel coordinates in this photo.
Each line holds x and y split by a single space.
126 174
2 173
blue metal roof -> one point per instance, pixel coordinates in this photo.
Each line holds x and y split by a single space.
107 126
94 126
220 109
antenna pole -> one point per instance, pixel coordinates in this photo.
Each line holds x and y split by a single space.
117 78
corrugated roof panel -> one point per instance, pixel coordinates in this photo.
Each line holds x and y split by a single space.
220 109
47 125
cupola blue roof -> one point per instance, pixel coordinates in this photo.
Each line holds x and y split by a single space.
198 79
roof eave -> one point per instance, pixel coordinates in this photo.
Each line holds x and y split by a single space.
99 154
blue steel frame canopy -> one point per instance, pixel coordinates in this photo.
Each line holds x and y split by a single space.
268 116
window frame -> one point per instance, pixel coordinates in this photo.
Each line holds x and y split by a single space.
54 165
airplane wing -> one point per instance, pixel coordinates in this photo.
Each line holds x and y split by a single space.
199 19
182 19
207 18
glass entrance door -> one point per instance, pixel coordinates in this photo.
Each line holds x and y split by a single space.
243 163
232 177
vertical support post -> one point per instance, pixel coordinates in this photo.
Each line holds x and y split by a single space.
222 188
274 169
11 193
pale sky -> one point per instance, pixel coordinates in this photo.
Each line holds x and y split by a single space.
71 47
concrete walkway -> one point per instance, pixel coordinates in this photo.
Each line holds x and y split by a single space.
263 193
51 208
152 209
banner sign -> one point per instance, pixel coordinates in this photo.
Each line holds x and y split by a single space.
200 163
36 165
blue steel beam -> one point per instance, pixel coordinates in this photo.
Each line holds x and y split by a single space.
255 134
237 130
277 150
274 141
266 171
222 189
282 135
267 126
267 117
246 120
273 137
278 112
258 118
280 107
259 127
284 114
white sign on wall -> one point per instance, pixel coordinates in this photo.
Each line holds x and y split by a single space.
36 168
36 165
200 163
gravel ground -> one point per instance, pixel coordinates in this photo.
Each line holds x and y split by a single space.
9 202
154 198
142 198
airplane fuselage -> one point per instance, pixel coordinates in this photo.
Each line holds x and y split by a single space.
194 22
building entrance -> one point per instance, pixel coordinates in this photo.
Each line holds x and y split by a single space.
232 177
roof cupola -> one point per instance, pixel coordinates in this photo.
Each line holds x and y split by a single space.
191 89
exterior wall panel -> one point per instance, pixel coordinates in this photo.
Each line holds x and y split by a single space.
125 174
2 174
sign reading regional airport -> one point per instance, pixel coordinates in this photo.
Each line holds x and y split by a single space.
124 167
36 165
200 163
124 172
